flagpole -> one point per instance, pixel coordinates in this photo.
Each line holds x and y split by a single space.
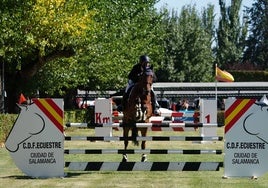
216 85
222 76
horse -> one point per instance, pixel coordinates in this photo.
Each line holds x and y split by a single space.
138 110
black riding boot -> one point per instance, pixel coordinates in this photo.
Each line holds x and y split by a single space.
155 104
124 101
125 98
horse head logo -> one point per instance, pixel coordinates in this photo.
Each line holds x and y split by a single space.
27 124
250 124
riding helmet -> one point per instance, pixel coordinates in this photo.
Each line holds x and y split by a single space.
144 58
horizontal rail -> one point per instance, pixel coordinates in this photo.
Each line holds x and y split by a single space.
148 138
140 151
175 129
144 166
140 125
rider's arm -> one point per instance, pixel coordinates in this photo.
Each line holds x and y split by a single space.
133 75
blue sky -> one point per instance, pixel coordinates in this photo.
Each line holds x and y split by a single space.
200 4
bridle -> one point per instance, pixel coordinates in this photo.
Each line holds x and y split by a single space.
145 82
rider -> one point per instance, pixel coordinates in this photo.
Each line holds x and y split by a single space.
133 78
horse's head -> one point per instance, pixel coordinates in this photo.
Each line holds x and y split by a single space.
27 124
146 79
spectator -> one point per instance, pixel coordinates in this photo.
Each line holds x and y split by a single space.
184 105
178 105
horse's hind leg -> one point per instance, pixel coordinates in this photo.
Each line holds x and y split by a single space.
143 144
125 135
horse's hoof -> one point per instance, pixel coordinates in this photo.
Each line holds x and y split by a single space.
124 158
143 158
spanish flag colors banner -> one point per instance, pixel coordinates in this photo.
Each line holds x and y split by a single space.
223 76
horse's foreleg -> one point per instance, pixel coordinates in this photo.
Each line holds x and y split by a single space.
125 135
143 144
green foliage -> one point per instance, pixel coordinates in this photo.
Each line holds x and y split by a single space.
258 39
34 29
85 116
128 29
58 46
35 33
250 76
104 59
6 123
187 44
231 35
57 76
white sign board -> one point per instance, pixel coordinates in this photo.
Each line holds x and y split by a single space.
36 140
246 138
208 114
103 115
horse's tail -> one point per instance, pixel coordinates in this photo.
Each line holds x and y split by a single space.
135 135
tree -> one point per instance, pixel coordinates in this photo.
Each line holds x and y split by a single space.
231 35
257 43
128 30
188 54
34 33
65 45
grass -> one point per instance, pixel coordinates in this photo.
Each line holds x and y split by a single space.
10 175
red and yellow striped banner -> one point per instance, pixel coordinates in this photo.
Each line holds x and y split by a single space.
52 111
235 111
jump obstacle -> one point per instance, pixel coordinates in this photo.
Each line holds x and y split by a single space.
169 121
177 121
36 142
144 166
39 150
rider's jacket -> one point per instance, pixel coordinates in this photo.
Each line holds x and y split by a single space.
135 72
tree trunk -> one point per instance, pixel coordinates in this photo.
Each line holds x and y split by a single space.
13 87
15 81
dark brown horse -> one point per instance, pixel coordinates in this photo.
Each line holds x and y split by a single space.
138 109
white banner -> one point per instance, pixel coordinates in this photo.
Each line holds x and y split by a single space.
246 138
36 140
103 115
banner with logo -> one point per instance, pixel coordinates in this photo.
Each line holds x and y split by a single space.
246 138
36 140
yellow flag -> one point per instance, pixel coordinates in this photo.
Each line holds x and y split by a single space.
223 76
